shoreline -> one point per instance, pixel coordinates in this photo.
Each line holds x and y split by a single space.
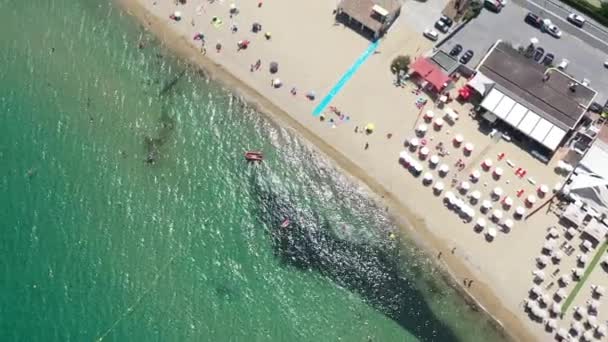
452 266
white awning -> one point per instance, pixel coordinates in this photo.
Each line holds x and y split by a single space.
522 118
481 83
380 10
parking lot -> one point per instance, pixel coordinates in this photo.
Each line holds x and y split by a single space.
586 61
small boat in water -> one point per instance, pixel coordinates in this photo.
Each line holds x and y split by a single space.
254 156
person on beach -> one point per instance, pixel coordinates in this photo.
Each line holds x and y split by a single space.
218 46
258 64
366 145
356 129
293 91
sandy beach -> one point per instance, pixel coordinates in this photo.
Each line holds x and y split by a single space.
313 52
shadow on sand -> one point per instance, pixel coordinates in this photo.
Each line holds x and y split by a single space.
370 270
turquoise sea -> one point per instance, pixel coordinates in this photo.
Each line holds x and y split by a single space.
129 214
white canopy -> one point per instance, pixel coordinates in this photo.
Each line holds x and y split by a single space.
599 290
531 199
428 177
561 293
487 163
429 114
498 171
414 142
438 122
486 204
582 258
497 191
424 151
434 159
476 195
404 156
536 290
543 189
601 330
422 128
508 201
458 138
492 232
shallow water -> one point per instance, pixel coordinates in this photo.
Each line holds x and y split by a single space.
128 212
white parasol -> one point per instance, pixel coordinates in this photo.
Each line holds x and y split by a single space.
561 293
438 122
497 192
487 205
531 199
508 223
465 186
520 211
458 139
469 147
497 214
414 142
492 232
476 195
424 151
487 163
439 186
475 175
429 115
422 128
481 222
498 172
444 168
507 202
434 159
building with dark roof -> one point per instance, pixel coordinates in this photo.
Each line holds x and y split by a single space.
544 104
371 17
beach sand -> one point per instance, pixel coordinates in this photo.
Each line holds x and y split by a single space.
313 52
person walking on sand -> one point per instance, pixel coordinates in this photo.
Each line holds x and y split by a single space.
218 47
366 145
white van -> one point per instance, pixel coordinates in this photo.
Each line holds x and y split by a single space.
563 64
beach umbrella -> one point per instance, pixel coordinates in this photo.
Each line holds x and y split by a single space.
438 186
565 279
428 116
416 166
424 152
486 205
561 293
497 191
582 258
531 200
414 142
465 186
438 122
428 177
545 299
592 321
422 128
177 15
476 195
520 211
458 139
599 290
536 290
558 255
538 274
498 172
444 169
277 83
475 175
449 195
556 308
588 336
487 164
557 187
508 224
434 159
577 272
403 155
543 189
468 211
370 127
594 305
577 327
553 232
492 232
552 324
497 214
562 333
458 203
542 260
507 202
468 147
601 330
481 222
273 67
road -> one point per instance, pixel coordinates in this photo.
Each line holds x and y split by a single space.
592 33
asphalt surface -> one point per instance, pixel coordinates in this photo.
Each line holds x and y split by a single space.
592 33
586 60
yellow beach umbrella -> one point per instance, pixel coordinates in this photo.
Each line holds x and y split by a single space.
370 127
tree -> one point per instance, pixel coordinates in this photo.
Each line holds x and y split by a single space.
401 63
475 7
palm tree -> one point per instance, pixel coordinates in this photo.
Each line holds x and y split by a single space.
400 64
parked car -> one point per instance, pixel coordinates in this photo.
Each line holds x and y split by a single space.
606 64
538 53
447 20
442 26
431 34
576 19
553 30
456 50
493 5
548 59
563 64
596 108
466 57
533 20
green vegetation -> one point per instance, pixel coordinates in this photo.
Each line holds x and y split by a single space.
401 63
474 9
600 14
596 259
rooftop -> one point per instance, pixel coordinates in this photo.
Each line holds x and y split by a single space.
361 10
521 78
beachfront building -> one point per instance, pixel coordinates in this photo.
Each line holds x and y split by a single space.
540 106
429 75
370 17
